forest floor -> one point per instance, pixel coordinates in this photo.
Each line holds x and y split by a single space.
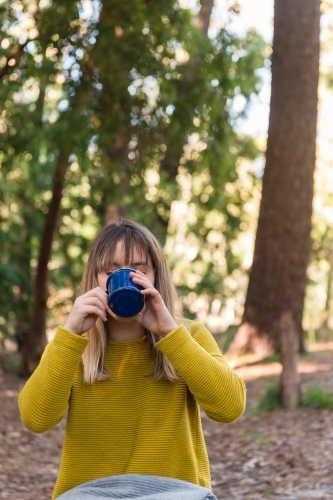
285 455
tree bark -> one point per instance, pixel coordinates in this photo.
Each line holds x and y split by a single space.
114 213
35 339
278 276
290 381
327 308
205 14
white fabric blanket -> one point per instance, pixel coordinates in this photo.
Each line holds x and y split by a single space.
139 486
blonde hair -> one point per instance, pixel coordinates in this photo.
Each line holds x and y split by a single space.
132 235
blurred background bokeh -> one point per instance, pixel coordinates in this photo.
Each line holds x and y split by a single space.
157 111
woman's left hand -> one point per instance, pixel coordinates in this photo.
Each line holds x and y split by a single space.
155 316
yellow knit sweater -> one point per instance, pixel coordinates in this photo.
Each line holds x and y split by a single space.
132 423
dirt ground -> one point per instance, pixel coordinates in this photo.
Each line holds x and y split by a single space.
271 455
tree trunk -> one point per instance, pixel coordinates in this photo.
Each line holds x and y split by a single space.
205 14
114 213
35 339
327 309
290 381
324 332
278 275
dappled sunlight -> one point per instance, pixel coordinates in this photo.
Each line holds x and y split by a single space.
318 359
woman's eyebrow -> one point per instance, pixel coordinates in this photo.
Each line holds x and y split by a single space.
117 264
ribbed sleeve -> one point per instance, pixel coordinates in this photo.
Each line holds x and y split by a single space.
44 399
197 358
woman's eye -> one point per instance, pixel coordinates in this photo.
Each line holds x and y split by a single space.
141 268
110 271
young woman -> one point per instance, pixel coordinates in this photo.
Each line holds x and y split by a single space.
132 387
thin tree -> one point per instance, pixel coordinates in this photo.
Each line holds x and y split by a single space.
205 15
35 338
278 278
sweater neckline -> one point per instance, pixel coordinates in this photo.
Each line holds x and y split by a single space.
139 341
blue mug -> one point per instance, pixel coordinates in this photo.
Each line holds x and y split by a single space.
124 297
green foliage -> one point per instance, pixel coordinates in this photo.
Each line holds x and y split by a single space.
271 399
123 94
225 338
316 397
274 358
10 363
313 397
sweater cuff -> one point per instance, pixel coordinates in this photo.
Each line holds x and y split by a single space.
174 340
66 339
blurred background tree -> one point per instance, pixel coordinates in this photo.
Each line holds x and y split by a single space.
111 109
278 275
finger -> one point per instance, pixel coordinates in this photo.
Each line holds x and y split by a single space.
151 294
96 311
90 299
90 307
97 292
137 273
150 291
141 280
94 294
95 301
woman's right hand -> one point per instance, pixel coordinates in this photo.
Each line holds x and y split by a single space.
86 310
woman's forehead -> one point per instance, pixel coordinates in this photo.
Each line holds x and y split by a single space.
134 253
